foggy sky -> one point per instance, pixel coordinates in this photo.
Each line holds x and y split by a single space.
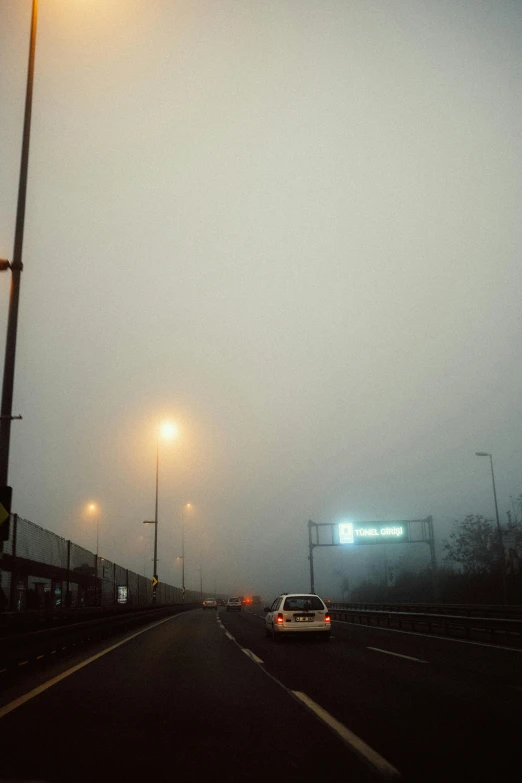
294 229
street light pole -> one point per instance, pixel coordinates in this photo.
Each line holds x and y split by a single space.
155 574
16 266
93 508
182 553
499 531
201 573
187 505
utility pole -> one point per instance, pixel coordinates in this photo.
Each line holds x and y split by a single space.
311 556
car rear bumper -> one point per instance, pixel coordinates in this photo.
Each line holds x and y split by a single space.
296 628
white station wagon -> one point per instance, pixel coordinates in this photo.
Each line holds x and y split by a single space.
293 613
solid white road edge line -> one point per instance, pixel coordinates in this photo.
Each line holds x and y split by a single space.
356 743
399 655
252 655
41 688
433 636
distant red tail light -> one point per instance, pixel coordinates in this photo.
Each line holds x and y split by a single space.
327 618
280 619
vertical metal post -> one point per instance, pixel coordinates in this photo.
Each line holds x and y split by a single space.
68 593
182 554
16 266
12 597
311 556
499 533
155 574
433 557
15 534
97 585
431 537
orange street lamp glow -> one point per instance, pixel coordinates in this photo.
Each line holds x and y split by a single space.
168 430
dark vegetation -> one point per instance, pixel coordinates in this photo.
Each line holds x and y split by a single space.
471 571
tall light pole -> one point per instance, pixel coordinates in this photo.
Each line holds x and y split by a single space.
143 552
94 510
155 569
499 531
167 430
16 266
185 505
201 572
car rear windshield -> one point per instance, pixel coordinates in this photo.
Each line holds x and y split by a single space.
210 600
301 602
234 601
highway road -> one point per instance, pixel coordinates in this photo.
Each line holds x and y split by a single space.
206 694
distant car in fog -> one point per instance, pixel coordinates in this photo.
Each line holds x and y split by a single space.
293 613
210 603
234 605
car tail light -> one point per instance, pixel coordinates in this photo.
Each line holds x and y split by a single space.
327 618
280 619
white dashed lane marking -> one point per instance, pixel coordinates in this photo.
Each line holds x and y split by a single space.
379 764
398 655
431 636
252 655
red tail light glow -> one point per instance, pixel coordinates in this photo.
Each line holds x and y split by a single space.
327 618
280 619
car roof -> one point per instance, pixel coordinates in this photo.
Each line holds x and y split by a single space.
303 595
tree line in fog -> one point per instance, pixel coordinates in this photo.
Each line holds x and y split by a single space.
475 561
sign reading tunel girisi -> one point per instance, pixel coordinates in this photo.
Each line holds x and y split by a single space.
376 533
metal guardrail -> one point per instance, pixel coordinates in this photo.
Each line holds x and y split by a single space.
12 623
23 648
462 610
438 624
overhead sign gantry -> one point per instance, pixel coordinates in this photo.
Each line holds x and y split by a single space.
350 534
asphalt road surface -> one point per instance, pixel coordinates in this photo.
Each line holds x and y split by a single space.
204 695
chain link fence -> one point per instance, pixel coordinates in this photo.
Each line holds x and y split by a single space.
40 570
